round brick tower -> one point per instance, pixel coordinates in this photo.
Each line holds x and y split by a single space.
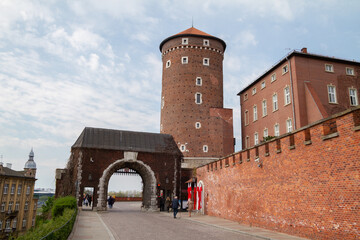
192 96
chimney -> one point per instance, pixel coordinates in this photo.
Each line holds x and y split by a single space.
304 50
9 165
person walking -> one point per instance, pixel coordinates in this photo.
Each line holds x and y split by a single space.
167 203
175 205
190 206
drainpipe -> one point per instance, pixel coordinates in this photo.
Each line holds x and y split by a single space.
292 93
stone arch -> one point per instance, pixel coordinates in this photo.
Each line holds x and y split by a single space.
129 161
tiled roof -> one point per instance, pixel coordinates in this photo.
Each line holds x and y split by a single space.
127 141
193 31
13 173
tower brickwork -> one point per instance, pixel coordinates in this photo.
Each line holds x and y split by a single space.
192 96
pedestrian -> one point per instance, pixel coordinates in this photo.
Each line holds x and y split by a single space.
110 201
190 206
161 203
86 200
175 205
167 203
90 200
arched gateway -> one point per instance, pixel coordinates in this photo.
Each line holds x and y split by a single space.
98 153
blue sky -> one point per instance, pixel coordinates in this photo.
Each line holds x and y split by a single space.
69 64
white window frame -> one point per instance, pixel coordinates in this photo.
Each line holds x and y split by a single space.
332 93
245 97
162 102
273 77
168 64
196 98
266 133
13 186
350 71
19 189
263 84
276 130
253 91
3 204
205 148
353 97
329 67
197 125
246 117
264 108
185 41
256 138
255 115
206 42
285 69
289 127
182 147
275 102
287 99
184 60
6 188
7 224
198 81
206 61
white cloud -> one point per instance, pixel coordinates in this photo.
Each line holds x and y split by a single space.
244 39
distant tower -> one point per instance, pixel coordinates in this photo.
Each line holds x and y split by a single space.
192 96
30 165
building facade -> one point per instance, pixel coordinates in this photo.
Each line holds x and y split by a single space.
192 97
18 207
300 89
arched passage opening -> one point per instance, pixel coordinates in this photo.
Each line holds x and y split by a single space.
148 178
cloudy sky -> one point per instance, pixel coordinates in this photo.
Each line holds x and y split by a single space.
69 64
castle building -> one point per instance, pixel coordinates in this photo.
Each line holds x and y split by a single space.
192 97
298 90
18 207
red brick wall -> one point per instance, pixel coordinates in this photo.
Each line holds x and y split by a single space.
308 184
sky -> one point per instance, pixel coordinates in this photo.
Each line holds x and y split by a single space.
68 64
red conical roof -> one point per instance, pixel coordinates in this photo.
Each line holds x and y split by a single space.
193 31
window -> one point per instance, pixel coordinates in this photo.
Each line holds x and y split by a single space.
14 223
246 117
161 127
10 206
206 61
247 142
266 133
182 147
255 116
332 94
7 224
17 206
198 81
264 108
256 138
26 206
185 41
289 125
19 189
24 223
168 63
263 85
275 102
28 190
287 95
253 91
329 68
198 98
245 96
273 77
206 42
285 69
197 125
3 207
349 71
276 130
12 191
205 148
6 188
184 60
353 97
162 102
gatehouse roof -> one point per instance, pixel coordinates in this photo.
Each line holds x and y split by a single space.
111 139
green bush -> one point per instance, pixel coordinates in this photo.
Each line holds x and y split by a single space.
61 203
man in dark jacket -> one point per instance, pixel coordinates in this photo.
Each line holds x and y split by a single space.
175 205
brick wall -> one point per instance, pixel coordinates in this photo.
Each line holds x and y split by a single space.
308 182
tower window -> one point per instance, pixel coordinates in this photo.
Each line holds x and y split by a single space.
285 69
198 98
198 81
205 148
168 63
162 102
185 41
197 125
182 147
184 60
206 42
206 61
